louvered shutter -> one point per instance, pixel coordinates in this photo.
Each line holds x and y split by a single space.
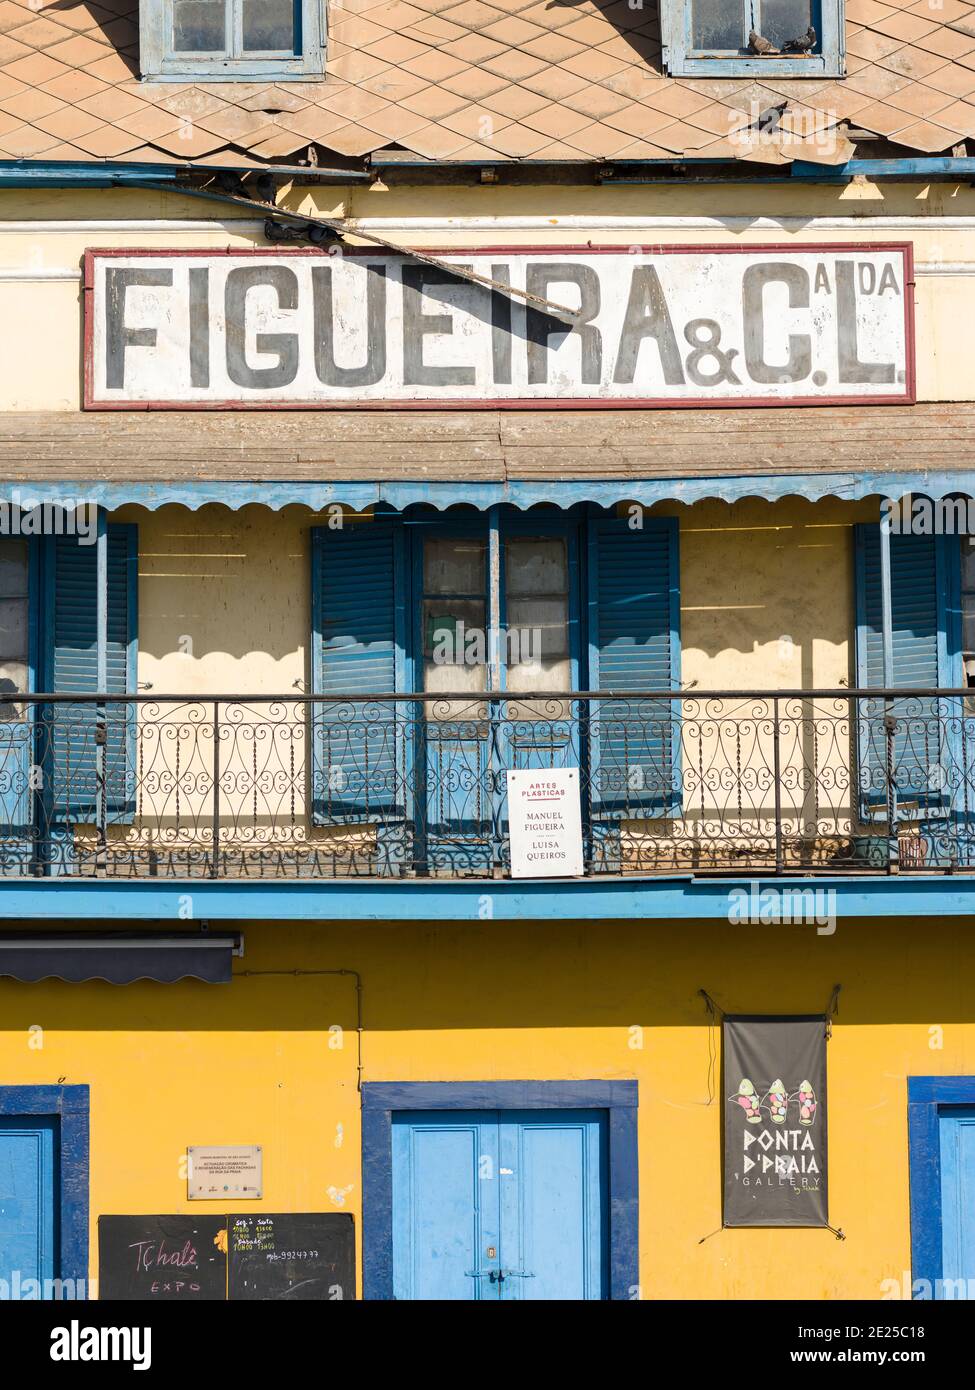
75 731
920 575
634 648
357 573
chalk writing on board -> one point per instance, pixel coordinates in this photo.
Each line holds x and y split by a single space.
156 1258
293 1256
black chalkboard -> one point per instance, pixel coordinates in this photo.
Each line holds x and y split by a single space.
150 1259
295 1256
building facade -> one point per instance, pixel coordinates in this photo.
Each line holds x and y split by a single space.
400 396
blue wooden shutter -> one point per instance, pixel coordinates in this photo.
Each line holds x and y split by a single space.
72 669
358 578
923 574
634 646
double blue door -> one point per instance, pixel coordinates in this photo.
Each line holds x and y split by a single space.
957 1135
28 1178
500 1205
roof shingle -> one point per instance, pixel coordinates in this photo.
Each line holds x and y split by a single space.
475 79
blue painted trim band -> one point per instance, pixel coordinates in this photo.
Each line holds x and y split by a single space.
361 495
41 173
70 1104
470 900
925 1095
381 1098
923 167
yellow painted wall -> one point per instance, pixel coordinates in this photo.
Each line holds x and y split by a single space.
251 1063
44 234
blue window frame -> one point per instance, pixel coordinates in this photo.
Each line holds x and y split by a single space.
915 646
67 1107
930 1099
710 38
60 654
232 40
381 1100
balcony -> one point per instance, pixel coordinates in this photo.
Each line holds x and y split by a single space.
413 786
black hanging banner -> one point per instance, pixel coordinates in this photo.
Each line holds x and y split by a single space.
774 1079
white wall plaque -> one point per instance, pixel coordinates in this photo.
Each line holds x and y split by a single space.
545 823
215 1172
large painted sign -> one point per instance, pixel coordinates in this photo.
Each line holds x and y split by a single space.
652 326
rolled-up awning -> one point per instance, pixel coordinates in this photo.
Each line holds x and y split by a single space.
119 959
400 458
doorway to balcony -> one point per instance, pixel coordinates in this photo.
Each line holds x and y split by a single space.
496 616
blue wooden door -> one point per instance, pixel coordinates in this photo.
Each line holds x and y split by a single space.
446 1213
500 1205
27 1202
957 1126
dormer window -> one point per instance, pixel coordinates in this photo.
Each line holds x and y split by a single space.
753 38
228 40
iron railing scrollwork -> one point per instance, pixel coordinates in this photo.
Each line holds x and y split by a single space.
234 786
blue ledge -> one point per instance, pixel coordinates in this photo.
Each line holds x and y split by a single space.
475 900
53 173
363 495
914 167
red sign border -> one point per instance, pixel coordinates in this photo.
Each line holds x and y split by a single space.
905 248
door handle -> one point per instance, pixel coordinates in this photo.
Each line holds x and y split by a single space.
495 1275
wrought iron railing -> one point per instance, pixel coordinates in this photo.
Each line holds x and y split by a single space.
790 782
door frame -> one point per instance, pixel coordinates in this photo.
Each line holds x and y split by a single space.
34 655
381 1099
926 1097
70 1106
494 527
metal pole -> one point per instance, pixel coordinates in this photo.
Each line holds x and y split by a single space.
101 669
494 677
890 720
777 773
890 733
216 789
885 600
494 599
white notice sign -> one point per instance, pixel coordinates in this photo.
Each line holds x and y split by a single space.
214 1172
545 823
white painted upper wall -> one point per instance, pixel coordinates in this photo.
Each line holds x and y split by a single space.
43 237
